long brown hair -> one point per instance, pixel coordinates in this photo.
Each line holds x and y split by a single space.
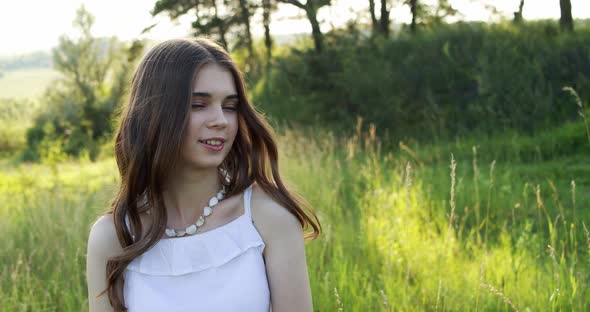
148 143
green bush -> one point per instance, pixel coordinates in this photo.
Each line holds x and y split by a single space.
15 117
453 80
80 125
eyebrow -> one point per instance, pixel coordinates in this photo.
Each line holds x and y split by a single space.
205 94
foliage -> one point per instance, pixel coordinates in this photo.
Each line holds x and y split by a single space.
78 108
221 19
456 79
427 14
14 119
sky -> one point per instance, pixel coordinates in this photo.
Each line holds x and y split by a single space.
32 25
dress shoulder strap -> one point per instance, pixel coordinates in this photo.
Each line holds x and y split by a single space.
128 225
247 200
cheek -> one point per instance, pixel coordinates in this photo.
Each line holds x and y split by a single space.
233 123
187 142
192 128
194 124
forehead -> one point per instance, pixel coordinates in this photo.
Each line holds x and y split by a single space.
214 79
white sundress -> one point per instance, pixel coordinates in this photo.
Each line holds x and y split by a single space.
219 270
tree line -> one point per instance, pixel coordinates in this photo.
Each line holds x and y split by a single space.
79 108
225 19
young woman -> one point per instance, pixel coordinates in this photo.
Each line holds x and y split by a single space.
202 220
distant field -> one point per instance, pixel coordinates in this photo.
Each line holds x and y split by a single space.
24 83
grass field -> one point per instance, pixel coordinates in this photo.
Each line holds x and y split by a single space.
26 83
403 231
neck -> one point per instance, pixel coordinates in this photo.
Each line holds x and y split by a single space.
187 194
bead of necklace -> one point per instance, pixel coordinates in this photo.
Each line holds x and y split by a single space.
192 229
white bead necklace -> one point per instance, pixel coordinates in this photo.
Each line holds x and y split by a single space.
192 229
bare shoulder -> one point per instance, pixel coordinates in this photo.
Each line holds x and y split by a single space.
102 239
102 244
273 221
284 254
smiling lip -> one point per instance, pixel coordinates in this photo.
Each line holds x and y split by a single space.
213 147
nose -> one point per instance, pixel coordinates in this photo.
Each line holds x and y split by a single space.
218 119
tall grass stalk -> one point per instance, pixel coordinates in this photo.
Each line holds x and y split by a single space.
408 184
566 238
573 189
338 301
500 294
452 194
385 301
489 203
540 205
438 291
581 108
476 193
587 238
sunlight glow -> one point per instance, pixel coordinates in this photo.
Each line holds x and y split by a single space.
38 24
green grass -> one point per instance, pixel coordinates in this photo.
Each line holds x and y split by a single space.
26 83
425 238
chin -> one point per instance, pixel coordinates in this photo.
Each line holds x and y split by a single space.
204 164
198 161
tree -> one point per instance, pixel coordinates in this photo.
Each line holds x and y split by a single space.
429 14
266 9
418 11
245 20
518 15
209 18
384 21
311 8
437 14
381 25
216 18
80 106
374 21
566 21
492 10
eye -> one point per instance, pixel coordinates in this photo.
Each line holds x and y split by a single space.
231 107
197 105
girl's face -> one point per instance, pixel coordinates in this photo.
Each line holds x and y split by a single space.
213 121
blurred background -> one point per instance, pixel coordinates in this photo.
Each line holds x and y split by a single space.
444 144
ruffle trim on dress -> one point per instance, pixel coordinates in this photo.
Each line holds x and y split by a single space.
190 254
